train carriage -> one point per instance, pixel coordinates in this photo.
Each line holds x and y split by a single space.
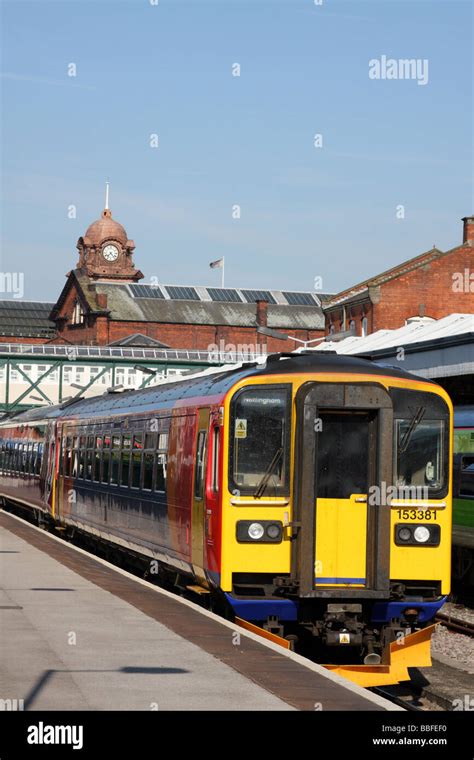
309 495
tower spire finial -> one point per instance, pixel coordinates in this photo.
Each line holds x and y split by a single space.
107 195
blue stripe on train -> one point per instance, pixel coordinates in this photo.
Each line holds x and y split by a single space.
287 609
256 609
383 612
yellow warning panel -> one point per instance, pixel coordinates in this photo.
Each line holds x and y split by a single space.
413 651
263 633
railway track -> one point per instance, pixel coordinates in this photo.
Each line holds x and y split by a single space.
407 701
457 625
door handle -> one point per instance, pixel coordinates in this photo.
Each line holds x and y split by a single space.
361 499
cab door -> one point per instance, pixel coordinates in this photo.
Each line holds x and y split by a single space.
343 466
198 505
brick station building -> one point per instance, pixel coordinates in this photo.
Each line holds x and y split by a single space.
434 285
103 303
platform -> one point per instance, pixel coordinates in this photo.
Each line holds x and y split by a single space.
79 634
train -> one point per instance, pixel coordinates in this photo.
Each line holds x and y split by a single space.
463 496
309 494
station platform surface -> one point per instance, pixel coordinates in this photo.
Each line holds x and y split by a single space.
79 634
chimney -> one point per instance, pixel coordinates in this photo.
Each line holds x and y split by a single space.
102 300
262 309
468 233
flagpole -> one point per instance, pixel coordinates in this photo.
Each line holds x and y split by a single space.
222 276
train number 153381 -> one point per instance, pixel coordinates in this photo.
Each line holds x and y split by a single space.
416 514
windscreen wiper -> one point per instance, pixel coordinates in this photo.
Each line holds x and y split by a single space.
415 421
267 474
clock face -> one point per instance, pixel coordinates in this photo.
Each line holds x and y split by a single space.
110 253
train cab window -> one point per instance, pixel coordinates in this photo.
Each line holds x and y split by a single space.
136 460
115 460
260 440
125 472
199 464
419 453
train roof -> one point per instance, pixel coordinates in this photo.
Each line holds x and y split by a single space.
211 382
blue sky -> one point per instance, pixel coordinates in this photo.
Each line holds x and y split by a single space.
306 212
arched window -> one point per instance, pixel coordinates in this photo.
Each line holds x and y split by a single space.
332 329
352 326
365 324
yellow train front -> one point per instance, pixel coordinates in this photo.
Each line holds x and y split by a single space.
336 506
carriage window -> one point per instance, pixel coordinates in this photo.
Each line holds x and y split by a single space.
90 458
126 442
259 440
199 465
147 470
115 460
82 457
161 456
39 459
150 440
215 459
467 477
419 453
136 460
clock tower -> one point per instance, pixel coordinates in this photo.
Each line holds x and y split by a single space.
106 253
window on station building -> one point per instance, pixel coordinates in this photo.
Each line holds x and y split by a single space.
352 326
332 328
364 326
77 317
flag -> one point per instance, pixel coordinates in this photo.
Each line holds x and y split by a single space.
217 264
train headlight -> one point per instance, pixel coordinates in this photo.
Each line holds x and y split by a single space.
255 531
273 531
263 531
421 534
411 534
